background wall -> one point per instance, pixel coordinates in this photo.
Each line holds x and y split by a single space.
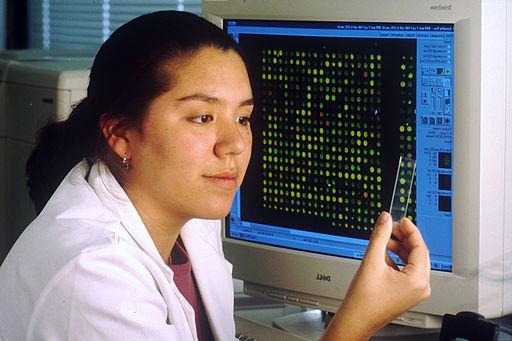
13 24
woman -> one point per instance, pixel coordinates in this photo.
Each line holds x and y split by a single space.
128 246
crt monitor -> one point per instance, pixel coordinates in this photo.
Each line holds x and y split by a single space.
338 101
337 104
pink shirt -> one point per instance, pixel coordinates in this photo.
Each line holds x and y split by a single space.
186 283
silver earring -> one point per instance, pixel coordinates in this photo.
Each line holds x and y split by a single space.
126 163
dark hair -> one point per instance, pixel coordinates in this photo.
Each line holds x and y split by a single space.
130 69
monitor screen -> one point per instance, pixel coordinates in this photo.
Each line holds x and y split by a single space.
337 104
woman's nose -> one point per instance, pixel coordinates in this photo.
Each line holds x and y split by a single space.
231 141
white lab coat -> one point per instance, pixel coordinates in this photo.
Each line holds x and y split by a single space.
87 269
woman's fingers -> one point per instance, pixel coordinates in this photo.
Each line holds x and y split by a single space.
398 249
379 239
390 262
418 259
408 245
379 277
397 234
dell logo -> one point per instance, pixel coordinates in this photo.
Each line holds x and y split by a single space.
322 277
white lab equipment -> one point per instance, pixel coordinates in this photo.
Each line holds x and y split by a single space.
35 87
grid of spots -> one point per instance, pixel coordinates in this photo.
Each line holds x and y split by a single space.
322 136
403 185
407 127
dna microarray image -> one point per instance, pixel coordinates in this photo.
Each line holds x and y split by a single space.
331 120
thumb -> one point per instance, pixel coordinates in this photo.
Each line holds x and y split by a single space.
380 238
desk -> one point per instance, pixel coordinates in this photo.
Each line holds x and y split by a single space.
259 324
260 318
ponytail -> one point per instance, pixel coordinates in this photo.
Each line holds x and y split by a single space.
59 147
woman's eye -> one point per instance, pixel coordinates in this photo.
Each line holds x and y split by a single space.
243 120
205 118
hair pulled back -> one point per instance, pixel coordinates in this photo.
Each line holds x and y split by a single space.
130 69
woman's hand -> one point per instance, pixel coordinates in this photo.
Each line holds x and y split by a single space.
380 291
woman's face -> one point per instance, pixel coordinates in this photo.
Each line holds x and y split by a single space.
192 151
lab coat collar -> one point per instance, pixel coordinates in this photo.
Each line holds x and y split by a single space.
205 255
97 196
207 259
114 198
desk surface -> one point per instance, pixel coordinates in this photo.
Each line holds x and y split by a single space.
304 325
258 318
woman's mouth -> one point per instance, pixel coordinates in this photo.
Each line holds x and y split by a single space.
225 180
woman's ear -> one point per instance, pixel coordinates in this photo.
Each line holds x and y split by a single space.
117 136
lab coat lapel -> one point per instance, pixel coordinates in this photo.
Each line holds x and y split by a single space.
212 273
176 311
116 200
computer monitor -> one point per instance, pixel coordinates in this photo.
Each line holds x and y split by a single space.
339 98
